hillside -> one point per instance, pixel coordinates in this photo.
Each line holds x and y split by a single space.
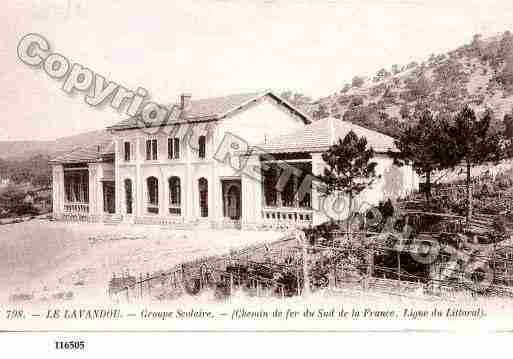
479 74
22 150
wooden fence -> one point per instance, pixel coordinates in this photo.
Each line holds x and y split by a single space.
224 274
333 263
280 268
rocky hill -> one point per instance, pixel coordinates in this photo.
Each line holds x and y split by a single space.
479 74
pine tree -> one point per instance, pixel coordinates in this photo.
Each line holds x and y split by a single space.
473 144
425 146
349 168
507 135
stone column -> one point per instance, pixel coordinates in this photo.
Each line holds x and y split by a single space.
94 183
99 190
217 191
117 180
163 208
58 190
251 192
318 165
138 185
188 183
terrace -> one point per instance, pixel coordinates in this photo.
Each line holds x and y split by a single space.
76 189
289 203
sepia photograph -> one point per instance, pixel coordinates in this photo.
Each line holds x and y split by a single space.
256 166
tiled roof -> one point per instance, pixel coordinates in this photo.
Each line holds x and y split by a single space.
92 153
108 148
321 134
217 106
207 110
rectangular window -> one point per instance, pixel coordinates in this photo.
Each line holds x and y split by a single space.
148 150
151 150
202 146
154 149
173 148
127 151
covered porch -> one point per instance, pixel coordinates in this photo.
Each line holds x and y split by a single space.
76 188
84 192
287 189
285 193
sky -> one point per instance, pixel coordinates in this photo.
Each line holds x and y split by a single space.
218 47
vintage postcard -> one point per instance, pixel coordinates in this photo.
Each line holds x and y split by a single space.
281 165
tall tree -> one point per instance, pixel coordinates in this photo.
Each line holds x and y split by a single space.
349 168
425 146
473 144
507 135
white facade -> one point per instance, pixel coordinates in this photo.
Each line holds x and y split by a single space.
144 179
260 120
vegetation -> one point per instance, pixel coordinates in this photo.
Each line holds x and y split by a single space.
371 117
473 143
34 170
425 145
357 81
349 168
479 73
299 100
12 203
24 177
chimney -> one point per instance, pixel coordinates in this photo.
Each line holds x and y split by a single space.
185 100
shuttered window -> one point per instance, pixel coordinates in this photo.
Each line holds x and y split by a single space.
151 150
173 148
202 146
127 151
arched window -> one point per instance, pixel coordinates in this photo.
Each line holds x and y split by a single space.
128 196
152 187
175 195
203 196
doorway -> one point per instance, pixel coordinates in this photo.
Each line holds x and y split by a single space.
109 197
232 199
